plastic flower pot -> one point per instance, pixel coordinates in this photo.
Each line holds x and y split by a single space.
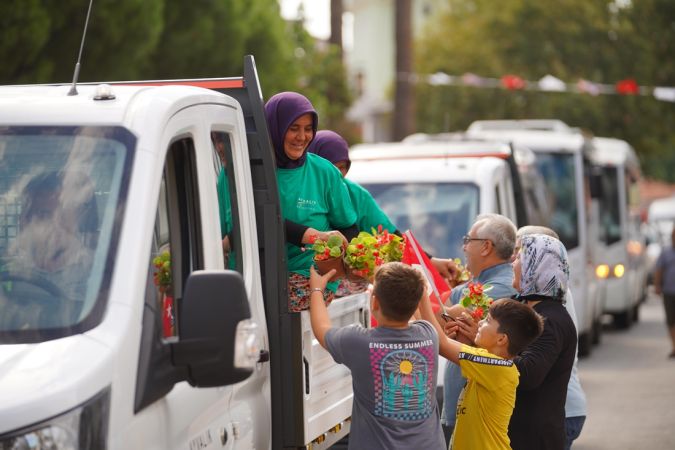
337 263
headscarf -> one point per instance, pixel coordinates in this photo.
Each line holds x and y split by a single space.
281 111
331 146
544 267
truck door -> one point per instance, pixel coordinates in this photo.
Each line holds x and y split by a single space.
187 237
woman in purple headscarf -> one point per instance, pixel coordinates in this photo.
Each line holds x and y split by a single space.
314 200
541 276
331 146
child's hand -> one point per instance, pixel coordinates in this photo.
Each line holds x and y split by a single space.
467 326
319 281
451 328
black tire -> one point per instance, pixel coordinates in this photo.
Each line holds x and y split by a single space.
624 319
585 344
636 313
596 332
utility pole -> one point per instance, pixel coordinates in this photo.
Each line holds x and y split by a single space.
336 10
404 102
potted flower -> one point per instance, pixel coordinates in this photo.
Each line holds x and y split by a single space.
475 300
163 280
328 255
463 274
367 251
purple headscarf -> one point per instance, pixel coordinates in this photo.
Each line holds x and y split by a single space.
281 111
331 146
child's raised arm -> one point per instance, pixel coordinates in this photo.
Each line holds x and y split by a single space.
317 308
448 348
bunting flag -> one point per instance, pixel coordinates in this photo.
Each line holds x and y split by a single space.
548 83
415 256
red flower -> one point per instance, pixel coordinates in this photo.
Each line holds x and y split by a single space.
313 238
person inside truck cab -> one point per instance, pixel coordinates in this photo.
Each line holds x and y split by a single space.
314 200
220 144
49 260
333 147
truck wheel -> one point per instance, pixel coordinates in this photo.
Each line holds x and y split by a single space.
585 344
623 320
597 332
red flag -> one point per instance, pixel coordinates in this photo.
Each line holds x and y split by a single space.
627 87
415 256
512 82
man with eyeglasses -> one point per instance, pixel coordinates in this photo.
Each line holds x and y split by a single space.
488 248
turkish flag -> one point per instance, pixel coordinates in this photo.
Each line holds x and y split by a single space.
512 82
415 256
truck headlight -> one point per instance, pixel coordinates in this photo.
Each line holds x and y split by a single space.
83 427
602 271
246 349
619 270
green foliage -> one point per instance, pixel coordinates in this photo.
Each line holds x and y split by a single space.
367 251
330 248
570 39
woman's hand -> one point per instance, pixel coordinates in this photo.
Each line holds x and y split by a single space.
317 281
313 233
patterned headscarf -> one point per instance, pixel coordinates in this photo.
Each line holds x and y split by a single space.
281 111
331 146
544 267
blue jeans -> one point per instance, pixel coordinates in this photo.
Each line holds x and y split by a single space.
573 426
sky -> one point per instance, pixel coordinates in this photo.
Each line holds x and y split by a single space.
317 15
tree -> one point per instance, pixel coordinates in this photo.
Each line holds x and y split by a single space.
600 41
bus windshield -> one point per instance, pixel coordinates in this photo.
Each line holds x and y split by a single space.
438 214
558 172
61 191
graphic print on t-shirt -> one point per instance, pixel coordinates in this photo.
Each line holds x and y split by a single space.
402 376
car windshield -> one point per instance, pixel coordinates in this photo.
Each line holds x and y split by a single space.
61 192
558 172
438 214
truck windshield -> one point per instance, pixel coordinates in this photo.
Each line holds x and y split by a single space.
438 214
61 197
558 172
610 211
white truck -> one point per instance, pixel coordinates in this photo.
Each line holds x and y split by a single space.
624 253
102 343
563 159
436 185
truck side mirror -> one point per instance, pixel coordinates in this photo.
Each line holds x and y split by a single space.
211 314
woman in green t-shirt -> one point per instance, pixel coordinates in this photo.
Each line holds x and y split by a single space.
314 200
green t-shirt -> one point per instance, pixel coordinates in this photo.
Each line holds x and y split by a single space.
224 203
370 215
225 212
315 196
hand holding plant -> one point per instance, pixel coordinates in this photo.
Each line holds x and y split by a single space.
325 249
475 300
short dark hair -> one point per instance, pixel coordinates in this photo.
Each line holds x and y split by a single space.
518 321
399 289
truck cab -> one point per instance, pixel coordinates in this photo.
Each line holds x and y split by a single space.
125 321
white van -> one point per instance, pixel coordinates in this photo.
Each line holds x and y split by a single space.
624 252
561 158
103 346
436 187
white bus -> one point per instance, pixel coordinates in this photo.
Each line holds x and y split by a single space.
561 159
623 256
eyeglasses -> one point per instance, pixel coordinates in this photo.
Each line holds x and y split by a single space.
466 239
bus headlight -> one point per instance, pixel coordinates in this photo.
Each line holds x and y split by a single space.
602 271
85 426
619 270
